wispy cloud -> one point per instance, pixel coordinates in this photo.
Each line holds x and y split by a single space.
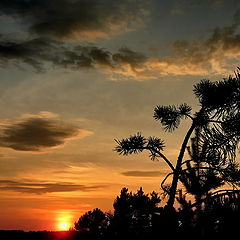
44 187
35 134
143 173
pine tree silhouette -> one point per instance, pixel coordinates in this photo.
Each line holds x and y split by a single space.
218 120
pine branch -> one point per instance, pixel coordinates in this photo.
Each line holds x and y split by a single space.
137 143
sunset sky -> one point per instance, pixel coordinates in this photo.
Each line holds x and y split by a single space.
77 74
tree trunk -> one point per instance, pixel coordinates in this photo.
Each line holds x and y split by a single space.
178 168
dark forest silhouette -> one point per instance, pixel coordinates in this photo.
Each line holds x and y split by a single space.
209 174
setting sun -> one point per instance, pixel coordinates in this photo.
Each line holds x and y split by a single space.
64 221
63 226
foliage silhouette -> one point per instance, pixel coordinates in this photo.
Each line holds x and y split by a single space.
134 212
204 171
92 221
217 122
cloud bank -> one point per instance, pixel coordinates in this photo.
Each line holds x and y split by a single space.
53 26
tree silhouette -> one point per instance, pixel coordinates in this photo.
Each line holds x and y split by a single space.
217 120
92 221
133 212
204 171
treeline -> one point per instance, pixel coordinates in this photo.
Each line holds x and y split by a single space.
138 216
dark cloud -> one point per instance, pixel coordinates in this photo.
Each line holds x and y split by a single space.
142 173
127 56
48 23
35 134
68 18
37 52
32 52
41 188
